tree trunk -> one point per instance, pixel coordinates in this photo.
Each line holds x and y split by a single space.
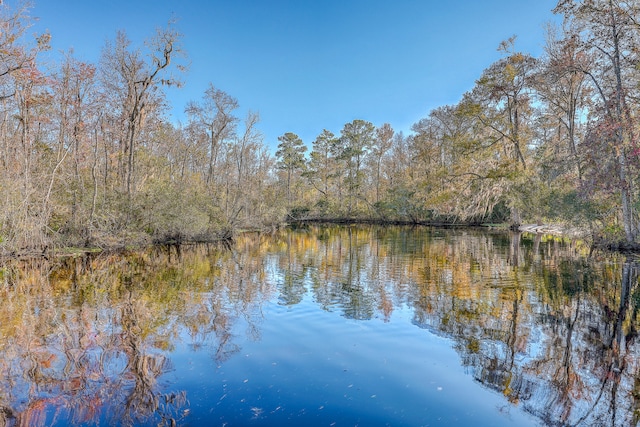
625 190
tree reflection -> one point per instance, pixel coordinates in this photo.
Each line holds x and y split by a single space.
532 317
87 339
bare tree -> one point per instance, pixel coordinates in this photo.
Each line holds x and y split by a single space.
214 113
135 79
608 31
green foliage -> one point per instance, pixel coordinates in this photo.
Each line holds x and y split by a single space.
290 153
571 206
322 207
298 212
499 214
169 211
401 203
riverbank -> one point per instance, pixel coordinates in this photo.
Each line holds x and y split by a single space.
132 241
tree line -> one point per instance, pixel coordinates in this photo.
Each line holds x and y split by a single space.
89 158
547 139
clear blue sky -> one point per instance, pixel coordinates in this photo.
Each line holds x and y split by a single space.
305 65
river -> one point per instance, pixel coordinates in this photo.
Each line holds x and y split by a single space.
327 326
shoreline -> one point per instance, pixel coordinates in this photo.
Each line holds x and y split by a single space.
555 229
549 229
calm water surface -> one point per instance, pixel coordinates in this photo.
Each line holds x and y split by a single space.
325 326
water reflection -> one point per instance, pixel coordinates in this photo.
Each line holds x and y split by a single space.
88 338
92 339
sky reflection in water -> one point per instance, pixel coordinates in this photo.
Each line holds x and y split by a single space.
325 326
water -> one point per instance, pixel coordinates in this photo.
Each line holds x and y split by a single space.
326 326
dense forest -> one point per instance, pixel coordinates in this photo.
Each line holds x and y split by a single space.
89 157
